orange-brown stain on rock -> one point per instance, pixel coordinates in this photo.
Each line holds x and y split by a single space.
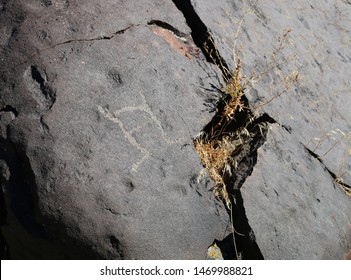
180 44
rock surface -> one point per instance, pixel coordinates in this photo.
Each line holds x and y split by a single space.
103 134
276 40
99 104
290 212
292 200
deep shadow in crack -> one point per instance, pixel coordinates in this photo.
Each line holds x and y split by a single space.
245 240
202 37
167 26
246 159
332 174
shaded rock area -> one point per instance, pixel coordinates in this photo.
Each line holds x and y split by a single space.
99 104
98 144
295 58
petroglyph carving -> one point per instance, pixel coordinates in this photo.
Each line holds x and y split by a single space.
143 107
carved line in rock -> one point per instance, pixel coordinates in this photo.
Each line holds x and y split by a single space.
142 107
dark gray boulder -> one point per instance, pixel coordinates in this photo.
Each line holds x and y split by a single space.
293 206
102 163
295 59
99 104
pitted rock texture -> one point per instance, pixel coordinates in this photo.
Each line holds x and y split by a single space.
99 104
100 153
292 200
316 46
299 213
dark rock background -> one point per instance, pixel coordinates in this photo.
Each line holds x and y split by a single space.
292 201
99 104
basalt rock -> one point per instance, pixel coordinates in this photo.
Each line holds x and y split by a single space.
294 58
99 104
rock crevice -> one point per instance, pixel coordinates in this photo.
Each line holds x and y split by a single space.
241 243
337 179
202 36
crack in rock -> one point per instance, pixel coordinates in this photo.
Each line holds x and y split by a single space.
202 36
82 40
20 186
99 38
167 26
338 180
234 134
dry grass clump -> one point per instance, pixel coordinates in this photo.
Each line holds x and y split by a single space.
216 156
227 139
217 149
219 146
235 91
